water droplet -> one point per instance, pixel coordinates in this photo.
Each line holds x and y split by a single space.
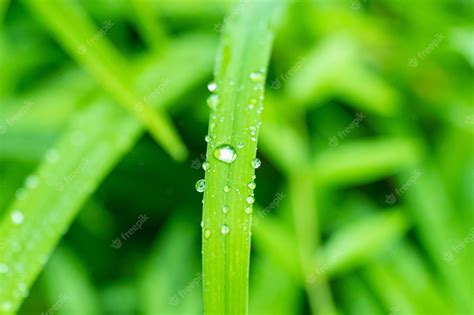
257 76
249 210
207 138
256 163
206 165
226 188
201 185
17 217
52 156
212 86
240 145
32 181
225 209
225 153
207 233
253 139
250 200
212 101
252 185
7 306
250 106
3 268
225 229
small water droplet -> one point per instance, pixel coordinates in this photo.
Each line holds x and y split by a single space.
212 86
253 139
252 185
3 268
207 233
240 145
202 223
250 106
225 229
225 153
212 101
250 200
52 156
17 217
201 185
32 181
207 138
257 76
256 163
225 209
226 188
249 210
206 165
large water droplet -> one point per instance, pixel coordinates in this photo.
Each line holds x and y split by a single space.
212 86
256 163
17 217
201 185
225 153
225 229
212 101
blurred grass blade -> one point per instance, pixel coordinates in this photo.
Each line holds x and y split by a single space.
179 289
88 45
72 170
67 284
363 161
3 10
152 31
358 242
240 76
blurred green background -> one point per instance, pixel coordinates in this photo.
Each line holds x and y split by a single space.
375 96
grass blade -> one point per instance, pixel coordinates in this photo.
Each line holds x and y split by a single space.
106 65
240 75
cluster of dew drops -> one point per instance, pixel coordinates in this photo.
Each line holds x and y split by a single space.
226 153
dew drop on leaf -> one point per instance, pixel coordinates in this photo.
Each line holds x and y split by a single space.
248 210
257 77
226 188
225 153
252 185
250 200
256 163
225 209
3 268
206 165
207 233
212 86
17 217
201 185
212 101
225 229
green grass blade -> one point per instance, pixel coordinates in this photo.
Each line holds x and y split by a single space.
88 45
240 76
74 168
